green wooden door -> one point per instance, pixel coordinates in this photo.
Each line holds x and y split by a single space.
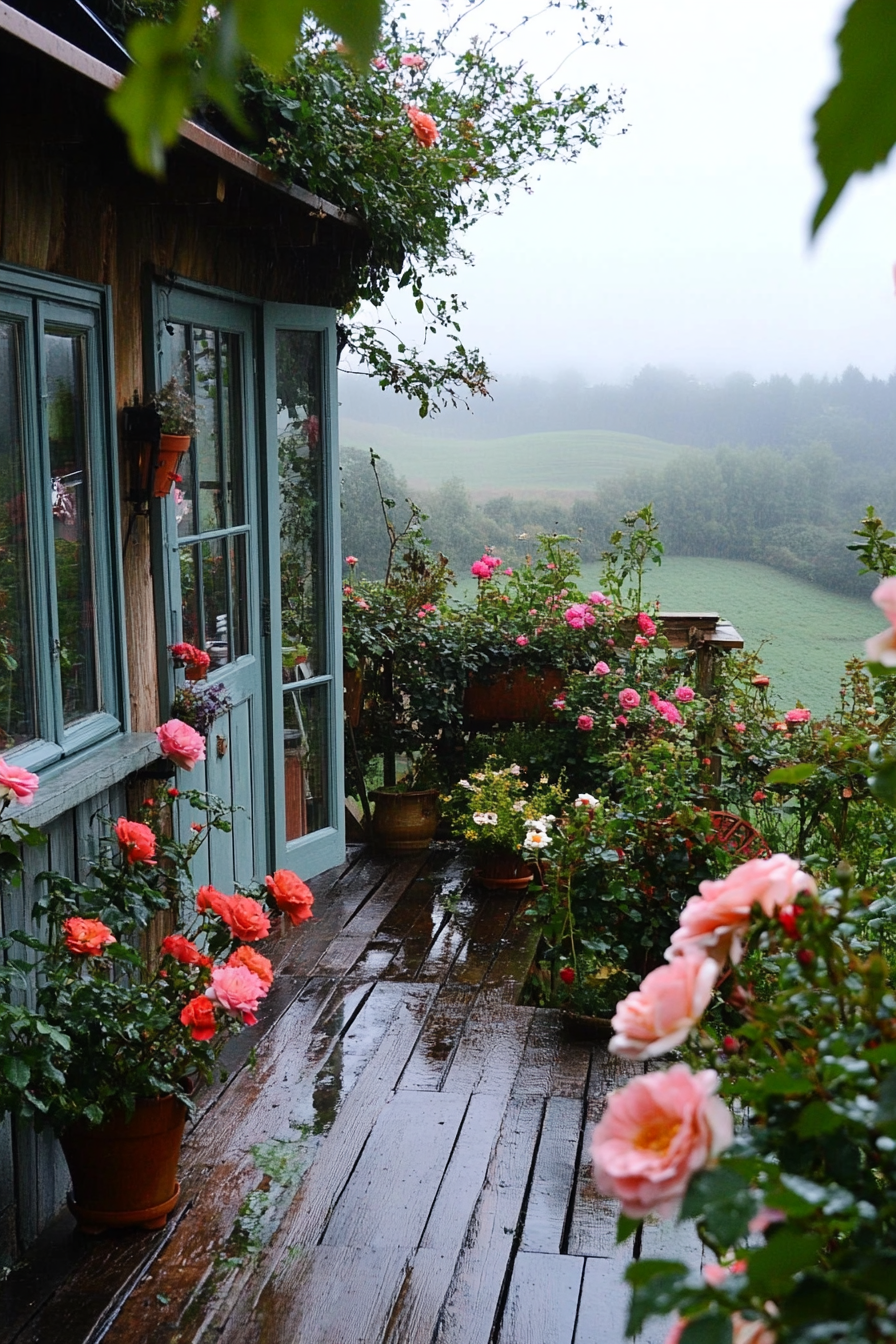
304 566
210 539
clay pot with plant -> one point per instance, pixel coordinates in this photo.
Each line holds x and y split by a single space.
176 409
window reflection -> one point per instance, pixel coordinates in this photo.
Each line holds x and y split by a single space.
306 756
17 700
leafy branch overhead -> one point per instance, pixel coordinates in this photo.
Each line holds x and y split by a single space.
855 127
419 137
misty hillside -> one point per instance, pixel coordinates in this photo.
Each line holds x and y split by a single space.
854 414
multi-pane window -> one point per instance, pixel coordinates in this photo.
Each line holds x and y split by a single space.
59 688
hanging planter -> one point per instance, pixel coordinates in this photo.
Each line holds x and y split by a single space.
171 449
124 1171
517 696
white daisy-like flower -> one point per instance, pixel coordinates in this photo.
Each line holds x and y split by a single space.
485 818
536 840
464 784
514 769
518 805
479 776
586 800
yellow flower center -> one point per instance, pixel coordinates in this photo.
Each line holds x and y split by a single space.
657 1134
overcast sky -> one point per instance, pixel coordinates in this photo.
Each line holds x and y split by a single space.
685 241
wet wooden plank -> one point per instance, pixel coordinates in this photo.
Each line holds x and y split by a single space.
389 1196
603 1304
331 1295
490 1049
371 914
667 1239
474 960
552 1065
451 940
593 1226
424 919
471 1304
543 1300
515 950
434 1051
553 1177
333 911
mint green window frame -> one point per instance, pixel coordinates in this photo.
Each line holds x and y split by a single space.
38 303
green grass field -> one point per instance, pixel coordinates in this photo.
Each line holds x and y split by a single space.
567 463
807 634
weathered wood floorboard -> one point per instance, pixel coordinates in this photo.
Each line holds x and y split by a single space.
405 1161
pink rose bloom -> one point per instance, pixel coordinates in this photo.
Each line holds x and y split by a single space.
522 641
667 710
645 624
480 570
508 571
601 669
882 648
683 694
798 715
640 642
181 743
717 919
415 61
653 697
629 698
379 63
559 703
654 1134
17 784
585 723
659 1015
621 721
423 126
884 596
238 991
351 560
598 600
493 561
740 727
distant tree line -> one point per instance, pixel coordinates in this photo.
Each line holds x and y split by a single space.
854 414
793 511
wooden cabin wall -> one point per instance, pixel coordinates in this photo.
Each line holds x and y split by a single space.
72 205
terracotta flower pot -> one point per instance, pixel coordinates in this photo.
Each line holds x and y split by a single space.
194 673
124 1171
514 697
503 872
405 822
171 449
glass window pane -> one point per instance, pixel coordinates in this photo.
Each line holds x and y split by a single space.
17 699
239 596
190 596
64 353
216 623
208 438
184 491
302 590
232 429
306 760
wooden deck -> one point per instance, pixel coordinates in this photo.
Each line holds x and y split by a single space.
402 1161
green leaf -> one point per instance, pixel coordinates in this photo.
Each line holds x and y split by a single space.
625 1227
855 127
269 28
17 1072
817 1118
772 1267
723 1201
783 1083
712 1328
791 774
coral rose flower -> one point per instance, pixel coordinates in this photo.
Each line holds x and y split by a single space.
717 919
184 951
246 919
199 1016
238 991
181 743
87 937
423 126
254 962
293 897
209 898
659 1015
136 841
654 1134
17 784
629 698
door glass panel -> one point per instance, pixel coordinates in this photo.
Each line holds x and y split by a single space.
231 429
299 441
306 757
239 596
190 596
17 700
209 475
64 354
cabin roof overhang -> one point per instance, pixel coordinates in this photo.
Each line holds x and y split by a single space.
21 28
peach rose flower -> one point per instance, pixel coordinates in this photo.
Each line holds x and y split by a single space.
292 895
136 841
210 898
246 919
254 962
238 991
181 743
17 785
423 126
717 920
179 947
199 1016
654 1134
659 1015
87 937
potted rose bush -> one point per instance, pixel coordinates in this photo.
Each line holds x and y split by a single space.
107 1026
